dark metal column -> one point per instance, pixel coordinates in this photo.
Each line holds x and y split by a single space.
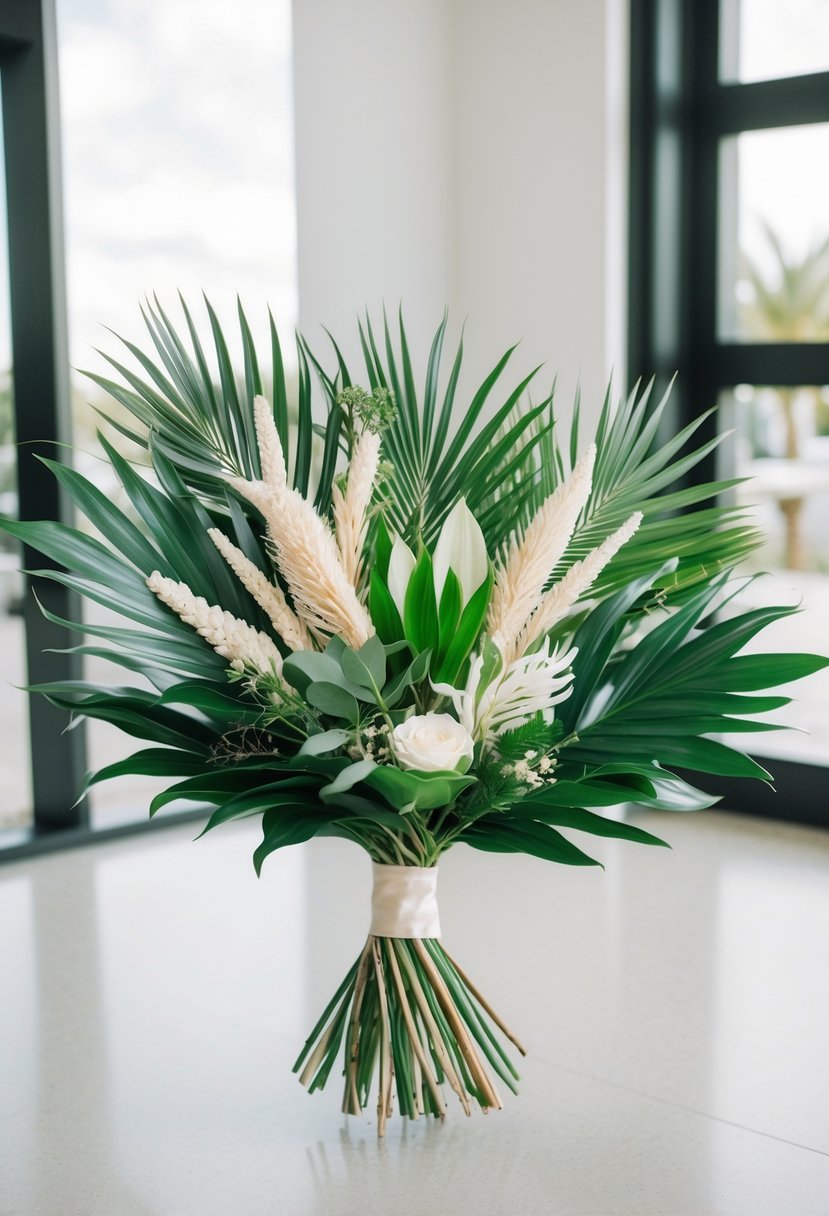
29 76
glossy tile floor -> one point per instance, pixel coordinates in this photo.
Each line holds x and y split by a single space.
676 1006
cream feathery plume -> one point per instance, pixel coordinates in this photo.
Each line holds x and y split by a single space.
307 556
351 508
235 640
269 596
520 578
579 578
271 456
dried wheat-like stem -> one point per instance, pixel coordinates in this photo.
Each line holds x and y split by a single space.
269 596
520 578
351 508
579 579
235 640
307 556
271 456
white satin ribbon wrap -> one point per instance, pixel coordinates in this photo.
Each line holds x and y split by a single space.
404 902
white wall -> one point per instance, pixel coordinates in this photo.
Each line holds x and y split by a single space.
371 87
469 152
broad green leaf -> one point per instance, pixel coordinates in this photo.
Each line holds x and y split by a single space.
420 614
587 821
405 789
383 610
466 635
502 834
333 699
287 826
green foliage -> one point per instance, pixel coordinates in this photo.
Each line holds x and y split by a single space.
536 735
657 675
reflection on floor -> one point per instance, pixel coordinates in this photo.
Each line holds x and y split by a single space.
675 1006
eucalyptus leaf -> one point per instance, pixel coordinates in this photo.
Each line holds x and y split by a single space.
333 699
325 741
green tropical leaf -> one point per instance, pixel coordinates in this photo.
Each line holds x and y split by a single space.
503 834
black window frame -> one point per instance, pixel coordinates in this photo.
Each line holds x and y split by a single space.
40 388
679 112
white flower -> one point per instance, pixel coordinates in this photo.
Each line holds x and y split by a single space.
432 742
461 548
401 565
530 685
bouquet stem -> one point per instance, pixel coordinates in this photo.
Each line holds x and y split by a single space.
407 1011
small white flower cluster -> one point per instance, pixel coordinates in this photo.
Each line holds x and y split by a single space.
532 770
242 645
375 742
372 743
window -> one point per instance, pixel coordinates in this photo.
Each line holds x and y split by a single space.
177 174
730 286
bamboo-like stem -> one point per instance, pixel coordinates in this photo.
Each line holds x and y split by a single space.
408 1012
485 1005
432 1028
384 1101
317 1055
417 1078
417 1046
480 1077
351 1098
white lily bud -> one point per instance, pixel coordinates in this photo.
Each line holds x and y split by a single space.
401 565
461 548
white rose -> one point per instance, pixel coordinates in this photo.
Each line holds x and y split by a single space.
430 743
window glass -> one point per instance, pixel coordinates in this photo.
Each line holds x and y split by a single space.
768 39
774 235
16 803
781 442
178 165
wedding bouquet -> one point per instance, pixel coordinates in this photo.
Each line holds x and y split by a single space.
410 621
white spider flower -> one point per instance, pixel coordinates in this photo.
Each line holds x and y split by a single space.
532 684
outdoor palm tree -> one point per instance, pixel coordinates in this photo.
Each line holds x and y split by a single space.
790 303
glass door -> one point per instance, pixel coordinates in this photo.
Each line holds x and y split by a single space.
729 286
